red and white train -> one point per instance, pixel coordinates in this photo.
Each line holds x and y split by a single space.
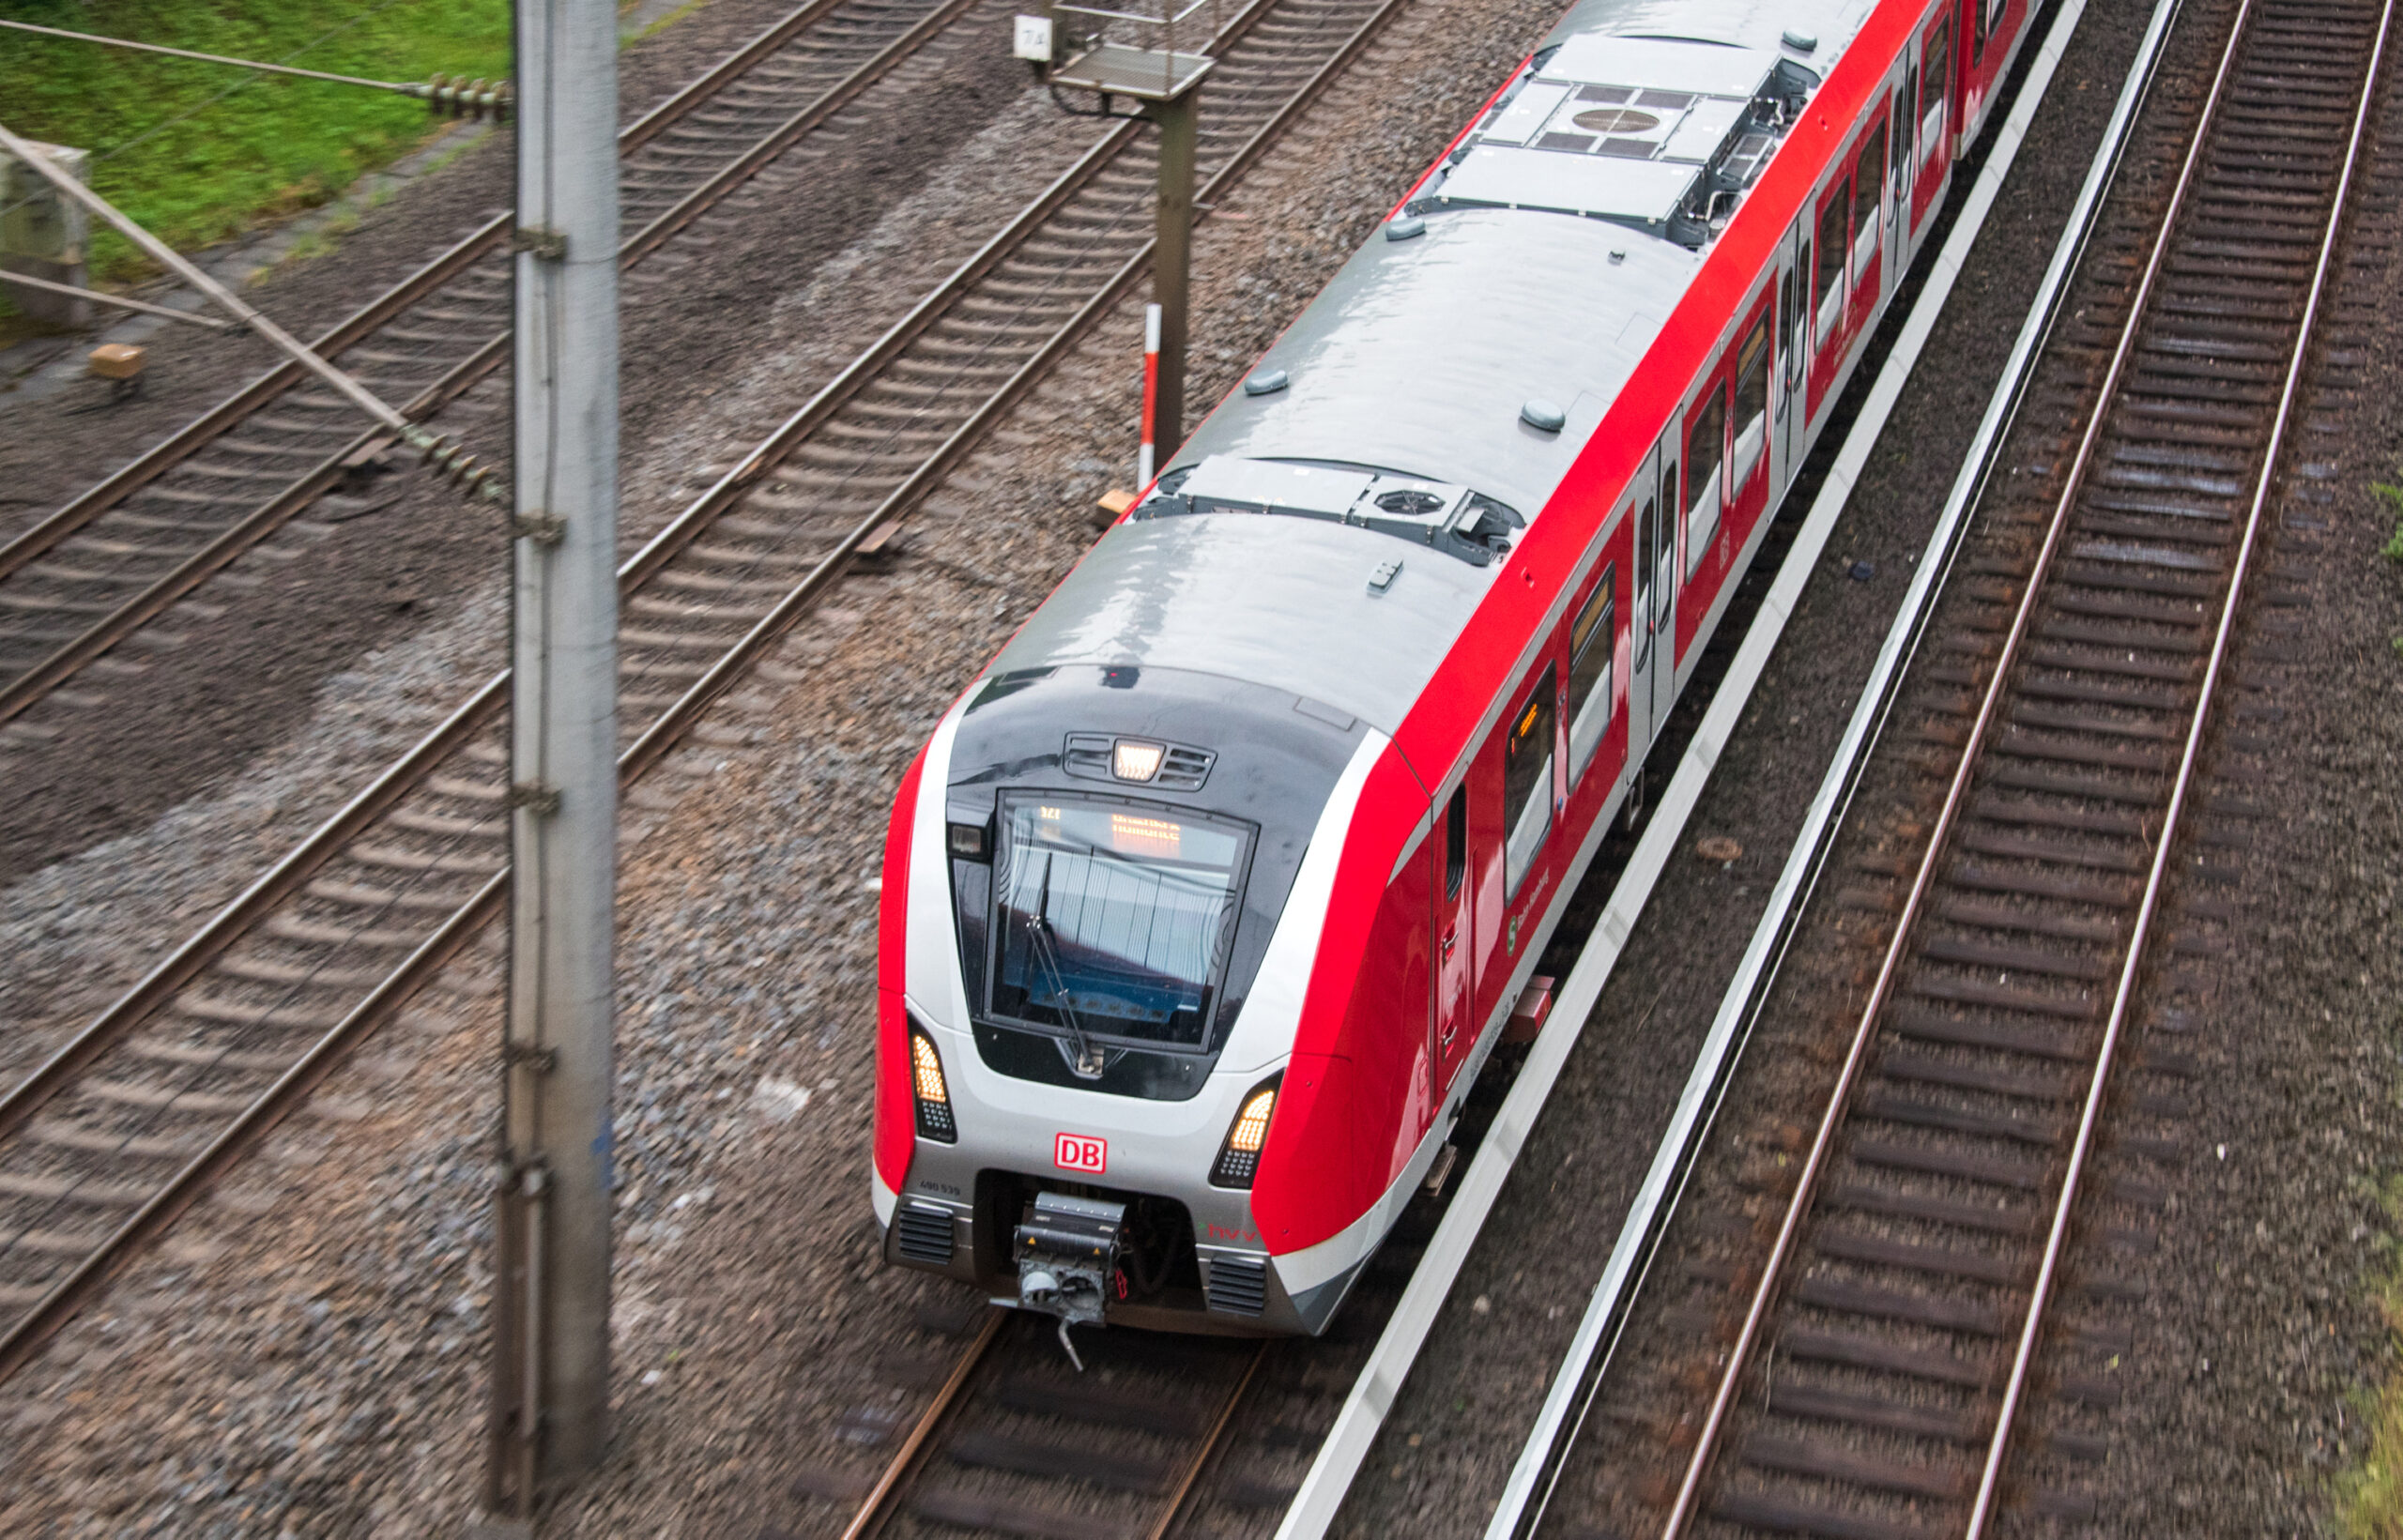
1208 900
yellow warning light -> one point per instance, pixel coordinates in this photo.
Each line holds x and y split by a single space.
926 1071
1251 1124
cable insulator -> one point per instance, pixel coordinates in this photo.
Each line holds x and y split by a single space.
478 100
456 465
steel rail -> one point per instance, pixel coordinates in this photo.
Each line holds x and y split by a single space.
179 446
161 595
1192 1478
874 1509
23 1336
2023 1358
871 1511
1765 1291
30 1331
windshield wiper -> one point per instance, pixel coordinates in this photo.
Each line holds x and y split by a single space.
1088 1063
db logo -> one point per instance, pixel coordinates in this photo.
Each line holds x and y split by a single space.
1079 1152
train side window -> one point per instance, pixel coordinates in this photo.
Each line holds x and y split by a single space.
1526 781
1792 314
1868 196
1456 841
1664 552
1828 282
1752 403
1932 80
1904 125
1593 646
1645 526
1705 451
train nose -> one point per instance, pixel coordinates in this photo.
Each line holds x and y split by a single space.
1067 1260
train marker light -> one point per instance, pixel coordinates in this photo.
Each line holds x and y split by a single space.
932 1096
1136 761
1239 1158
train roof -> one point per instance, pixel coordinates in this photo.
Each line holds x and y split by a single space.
1197 592
1421 355
1829 25
1435 352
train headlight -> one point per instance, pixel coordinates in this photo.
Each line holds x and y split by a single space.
1239 1157
932 1096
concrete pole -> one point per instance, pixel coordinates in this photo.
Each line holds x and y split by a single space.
551 1291
1172 260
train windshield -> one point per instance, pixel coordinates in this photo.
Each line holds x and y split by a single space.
1114 918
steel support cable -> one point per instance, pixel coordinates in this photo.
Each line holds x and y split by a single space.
2157 874
406 88
1790 1226
23 1337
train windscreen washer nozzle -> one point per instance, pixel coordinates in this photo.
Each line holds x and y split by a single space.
1067 1260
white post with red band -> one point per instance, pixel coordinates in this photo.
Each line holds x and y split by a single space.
1144 456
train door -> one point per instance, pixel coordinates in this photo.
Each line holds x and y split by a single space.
1455 949
1514 807
1831 241
1652 673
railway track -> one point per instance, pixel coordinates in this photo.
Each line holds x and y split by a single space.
1017 1441
1901 1316
132 1117
1158 1435
103 566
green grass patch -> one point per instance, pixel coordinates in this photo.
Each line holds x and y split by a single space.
2370 1496
2392 497
198 153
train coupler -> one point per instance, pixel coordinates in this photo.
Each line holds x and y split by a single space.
1067 1260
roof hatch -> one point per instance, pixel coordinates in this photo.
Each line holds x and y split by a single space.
1452 519
1645 131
